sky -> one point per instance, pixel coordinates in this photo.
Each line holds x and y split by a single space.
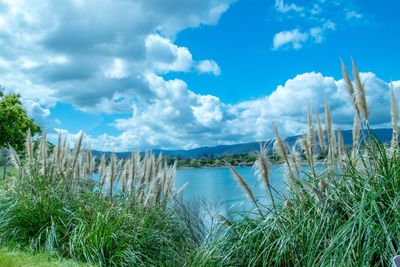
172 74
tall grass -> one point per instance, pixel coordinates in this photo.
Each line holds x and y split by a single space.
125 218
345 215
115 212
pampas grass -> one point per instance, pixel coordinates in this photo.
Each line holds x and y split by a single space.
262 171
99 212
321 137
356 135
395 119
351 220
245 187
362 101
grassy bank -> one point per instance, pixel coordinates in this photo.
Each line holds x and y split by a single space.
18 258
53 205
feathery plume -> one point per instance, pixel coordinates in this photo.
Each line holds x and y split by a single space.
311 137
246 188
29 147
341 148
77 150
15 160
112 173
328 126
395 118
280 147
362 102
102 171
261 167
356 135
349 85
321 138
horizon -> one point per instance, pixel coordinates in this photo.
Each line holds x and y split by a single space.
184 74
160 150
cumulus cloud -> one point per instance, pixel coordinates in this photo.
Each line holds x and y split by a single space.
294 38
352 14
282 7
316 19
318 33
179 118
95 55
165 56
208 66
36 111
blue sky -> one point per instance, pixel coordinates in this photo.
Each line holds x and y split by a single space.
187 73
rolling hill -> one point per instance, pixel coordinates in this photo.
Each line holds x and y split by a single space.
384 135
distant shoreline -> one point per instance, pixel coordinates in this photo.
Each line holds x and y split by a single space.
211 167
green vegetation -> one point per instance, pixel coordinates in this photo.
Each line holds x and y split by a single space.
345 215
53 205
234 160
13 258
127 214
14 122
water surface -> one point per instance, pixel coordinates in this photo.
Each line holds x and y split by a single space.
217 186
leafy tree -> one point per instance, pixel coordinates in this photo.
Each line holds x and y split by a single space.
14 123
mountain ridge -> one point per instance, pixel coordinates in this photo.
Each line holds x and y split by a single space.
382 134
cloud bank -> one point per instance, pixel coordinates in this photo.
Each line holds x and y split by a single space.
95 55
179 118
81 53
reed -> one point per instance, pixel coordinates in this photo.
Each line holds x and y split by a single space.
311 142
321 137
245 187
262 170
66 202
350 219
356 135
361 98
394 118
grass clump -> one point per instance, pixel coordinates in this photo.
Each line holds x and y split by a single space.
55 205
17 258
344 213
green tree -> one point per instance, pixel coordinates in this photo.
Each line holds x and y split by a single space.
14 123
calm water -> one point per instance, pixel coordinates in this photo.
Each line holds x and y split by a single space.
217 186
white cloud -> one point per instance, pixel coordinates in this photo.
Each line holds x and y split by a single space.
315 18
352 14
208 66
36 111
95 55
117 69
209 112
317 33
179 118
165 56
296 39
282 7
293 38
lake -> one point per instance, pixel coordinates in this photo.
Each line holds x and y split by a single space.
218 187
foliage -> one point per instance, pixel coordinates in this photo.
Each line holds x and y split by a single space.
17 258
343 215
14 122
342 212
235 160
54 205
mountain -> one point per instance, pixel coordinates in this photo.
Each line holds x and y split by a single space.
383 135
